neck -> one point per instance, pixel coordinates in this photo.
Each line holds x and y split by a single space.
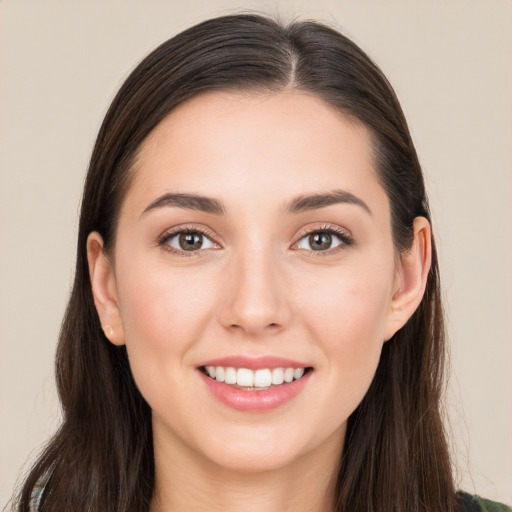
191 483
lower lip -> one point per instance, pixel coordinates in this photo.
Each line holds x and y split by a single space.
255 401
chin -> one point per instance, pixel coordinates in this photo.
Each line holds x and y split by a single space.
255 460
261 449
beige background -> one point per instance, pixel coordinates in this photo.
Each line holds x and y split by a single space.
451 64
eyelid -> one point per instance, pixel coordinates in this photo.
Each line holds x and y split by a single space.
186 228
343 234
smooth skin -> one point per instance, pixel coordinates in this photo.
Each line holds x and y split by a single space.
255 283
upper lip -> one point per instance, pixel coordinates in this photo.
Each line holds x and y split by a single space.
255 363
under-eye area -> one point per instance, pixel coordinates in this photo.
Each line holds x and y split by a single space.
263 378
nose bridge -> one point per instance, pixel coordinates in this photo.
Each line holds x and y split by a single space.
255 300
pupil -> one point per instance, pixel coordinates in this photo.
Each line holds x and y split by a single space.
320 241
191 241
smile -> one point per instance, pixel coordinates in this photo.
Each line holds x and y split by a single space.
255 385
254 380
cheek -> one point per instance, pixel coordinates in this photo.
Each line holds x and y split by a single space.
348 320
349 305
162 300
164 313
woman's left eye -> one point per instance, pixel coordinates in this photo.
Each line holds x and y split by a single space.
322 241
189 241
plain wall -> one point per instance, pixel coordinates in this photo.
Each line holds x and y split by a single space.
451 64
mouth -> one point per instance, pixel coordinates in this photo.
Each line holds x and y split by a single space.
260 379
255 384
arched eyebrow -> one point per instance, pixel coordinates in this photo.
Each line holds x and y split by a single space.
298 204
188 202
315 201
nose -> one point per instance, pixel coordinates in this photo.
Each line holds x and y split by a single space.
255 300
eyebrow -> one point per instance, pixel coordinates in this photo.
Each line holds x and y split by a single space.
315 201
188 202
297 205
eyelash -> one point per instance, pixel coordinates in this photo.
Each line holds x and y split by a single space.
342 235
168 235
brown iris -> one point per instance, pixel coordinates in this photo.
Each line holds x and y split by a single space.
320 241
191 241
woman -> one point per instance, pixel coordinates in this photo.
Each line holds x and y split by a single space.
255 322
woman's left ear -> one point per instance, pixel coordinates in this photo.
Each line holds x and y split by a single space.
104 289
411 277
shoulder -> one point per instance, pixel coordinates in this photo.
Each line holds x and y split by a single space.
491 506
470 503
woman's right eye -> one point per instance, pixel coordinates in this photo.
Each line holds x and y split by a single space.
188 241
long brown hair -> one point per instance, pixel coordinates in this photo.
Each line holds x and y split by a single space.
395 456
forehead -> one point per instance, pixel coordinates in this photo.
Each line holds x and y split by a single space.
239 145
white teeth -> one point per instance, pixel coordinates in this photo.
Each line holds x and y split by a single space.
298 373
219 373
277 376
262 378
230 376
245 378
288 375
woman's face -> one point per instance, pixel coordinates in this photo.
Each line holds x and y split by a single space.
255 235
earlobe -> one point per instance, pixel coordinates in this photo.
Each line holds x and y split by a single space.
104 290
412 274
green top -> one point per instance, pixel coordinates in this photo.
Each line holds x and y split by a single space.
491 506
476 504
